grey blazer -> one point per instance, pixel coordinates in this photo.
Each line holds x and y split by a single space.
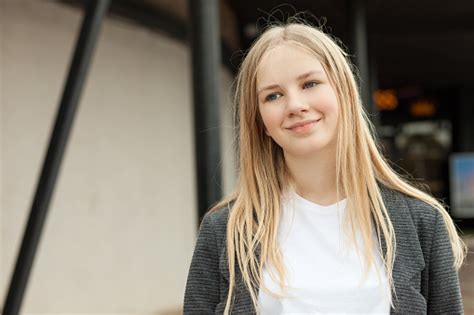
425 281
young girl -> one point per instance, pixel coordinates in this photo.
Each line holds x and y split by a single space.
319 222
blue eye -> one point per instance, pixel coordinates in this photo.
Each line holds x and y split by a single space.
272 97
309 84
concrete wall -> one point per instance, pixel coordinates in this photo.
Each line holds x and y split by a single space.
122 223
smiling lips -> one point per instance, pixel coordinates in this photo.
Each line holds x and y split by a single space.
303 126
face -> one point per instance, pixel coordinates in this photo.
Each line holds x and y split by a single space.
297 103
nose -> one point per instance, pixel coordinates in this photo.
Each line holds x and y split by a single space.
296 104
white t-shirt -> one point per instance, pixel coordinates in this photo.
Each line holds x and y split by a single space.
324 270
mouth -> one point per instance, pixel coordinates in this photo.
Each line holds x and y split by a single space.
303 126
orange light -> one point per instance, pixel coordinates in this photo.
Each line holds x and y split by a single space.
423 108
385 99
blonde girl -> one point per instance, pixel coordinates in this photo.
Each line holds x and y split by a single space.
319 222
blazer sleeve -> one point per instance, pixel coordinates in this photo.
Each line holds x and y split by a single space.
444 290
202 288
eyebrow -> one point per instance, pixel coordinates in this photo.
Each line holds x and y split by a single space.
298 78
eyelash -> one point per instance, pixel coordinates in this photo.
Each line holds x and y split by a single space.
305 85
310 82
268 98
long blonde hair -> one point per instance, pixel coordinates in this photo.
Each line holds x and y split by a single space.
254 213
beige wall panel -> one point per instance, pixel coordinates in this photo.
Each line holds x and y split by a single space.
122 223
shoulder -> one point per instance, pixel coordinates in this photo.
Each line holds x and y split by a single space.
415 222
419 228
215 223
218 216
399 205
412 218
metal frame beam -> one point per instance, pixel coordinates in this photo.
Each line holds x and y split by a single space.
156 19
94 13
360 47
206 61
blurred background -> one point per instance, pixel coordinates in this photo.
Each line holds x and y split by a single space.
123 219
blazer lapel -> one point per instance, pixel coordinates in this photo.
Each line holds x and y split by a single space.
409 261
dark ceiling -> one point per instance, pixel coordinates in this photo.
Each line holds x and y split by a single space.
412 43
426 43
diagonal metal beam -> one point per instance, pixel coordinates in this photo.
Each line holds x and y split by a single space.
94 13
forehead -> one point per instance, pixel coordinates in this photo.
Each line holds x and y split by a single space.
286 61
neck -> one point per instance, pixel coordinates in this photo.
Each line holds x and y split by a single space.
315 177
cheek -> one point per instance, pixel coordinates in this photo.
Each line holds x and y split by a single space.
270 120
334 111
328 104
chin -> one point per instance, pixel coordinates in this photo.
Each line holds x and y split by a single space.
306 151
